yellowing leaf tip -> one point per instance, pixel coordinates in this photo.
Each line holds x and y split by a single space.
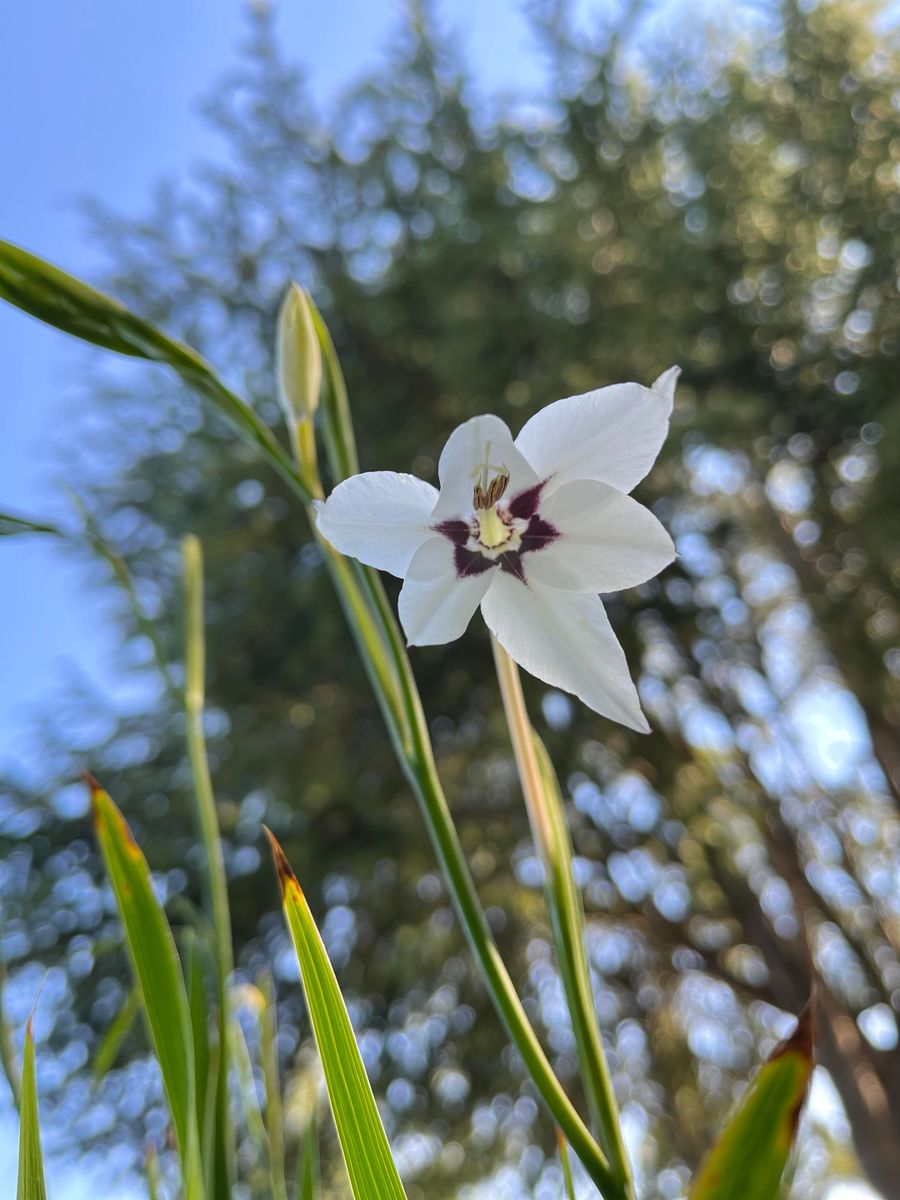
286 876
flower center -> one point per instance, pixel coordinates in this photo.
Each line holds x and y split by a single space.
493 531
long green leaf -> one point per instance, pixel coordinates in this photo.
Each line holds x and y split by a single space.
268 1052
748 1160
43 290
568 1181
151 1167
10 524
217 904
115 1035
157 972
31 1160
308 1174
373 1175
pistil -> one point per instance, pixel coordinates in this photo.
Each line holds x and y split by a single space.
493 531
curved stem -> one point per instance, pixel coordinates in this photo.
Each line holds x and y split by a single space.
550 831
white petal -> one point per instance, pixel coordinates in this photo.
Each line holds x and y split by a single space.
565 639
607 541
379 517
613 434
435 605
464 454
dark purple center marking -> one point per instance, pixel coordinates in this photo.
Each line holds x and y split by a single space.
537 534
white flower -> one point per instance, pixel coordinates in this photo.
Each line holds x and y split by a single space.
531 530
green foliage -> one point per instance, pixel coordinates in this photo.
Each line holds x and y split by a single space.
39 288
157 972
373 1175
748 1161
31 1160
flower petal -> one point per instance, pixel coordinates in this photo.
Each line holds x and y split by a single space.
606 541
436 604
566 640
379 517
464 454
613 434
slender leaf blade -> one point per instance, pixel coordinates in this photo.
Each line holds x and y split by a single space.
11 524
157 972
373 1174
274 1114
115 1035
308 1175
31 1160
568 1181
59 299
748 1160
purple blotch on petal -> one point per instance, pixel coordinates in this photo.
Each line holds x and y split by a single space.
456 531
540 533
511 563
525 504
470 562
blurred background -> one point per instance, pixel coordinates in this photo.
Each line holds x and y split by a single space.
494 205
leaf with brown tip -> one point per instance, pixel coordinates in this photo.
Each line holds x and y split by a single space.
748 1160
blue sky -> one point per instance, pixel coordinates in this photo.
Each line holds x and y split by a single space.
100 100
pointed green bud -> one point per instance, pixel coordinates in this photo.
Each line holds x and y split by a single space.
299 356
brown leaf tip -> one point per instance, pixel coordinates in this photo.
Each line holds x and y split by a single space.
91 782
286 876
802 1040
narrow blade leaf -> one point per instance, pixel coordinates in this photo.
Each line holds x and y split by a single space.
566 1164
115 1035
43 290
10 524
373 1175
748 1160
31 1160
157 972
307 1176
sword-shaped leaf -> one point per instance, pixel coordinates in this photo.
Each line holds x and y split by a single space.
373 1175
157 972
43 290
31 1161
748 1160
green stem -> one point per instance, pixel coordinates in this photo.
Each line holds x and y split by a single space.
216 883
550 831
422 773
194 699
268 1050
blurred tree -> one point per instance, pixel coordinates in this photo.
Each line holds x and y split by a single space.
727 200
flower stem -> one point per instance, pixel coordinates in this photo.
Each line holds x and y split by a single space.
546 815
210 835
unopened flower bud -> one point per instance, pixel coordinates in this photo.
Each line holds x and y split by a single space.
299 357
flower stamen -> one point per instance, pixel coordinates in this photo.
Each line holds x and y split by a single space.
488 491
